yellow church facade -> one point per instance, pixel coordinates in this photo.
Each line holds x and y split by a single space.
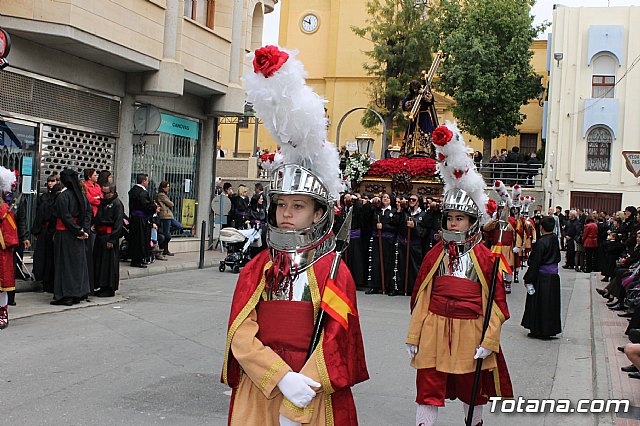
321 30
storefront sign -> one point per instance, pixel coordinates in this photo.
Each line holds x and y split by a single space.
188 212
632 159
179 126
5 47
27 166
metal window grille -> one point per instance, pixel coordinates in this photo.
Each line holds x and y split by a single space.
599 150
173 159
75 149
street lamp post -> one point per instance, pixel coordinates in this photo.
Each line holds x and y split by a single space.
365 143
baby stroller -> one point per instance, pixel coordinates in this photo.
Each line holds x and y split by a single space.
237 243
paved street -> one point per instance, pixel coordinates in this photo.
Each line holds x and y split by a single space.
154 357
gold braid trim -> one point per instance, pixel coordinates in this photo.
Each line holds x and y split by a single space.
300 411
270 373
328 411
322 367
429 276
315 292
413 336
253 301
485 288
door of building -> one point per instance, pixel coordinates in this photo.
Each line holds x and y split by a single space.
607 202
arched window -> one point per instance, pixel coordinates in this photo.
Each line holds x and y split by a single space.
603 80
599 149
257 24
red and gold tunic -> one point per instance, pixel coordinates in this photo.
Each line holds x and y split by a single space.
8 240
268 338
446 324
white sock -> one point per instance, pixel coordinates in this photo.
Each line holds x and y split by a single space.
426 415
477 413
4 299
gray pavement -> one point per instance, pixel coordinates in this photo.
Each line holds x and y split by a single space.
153 356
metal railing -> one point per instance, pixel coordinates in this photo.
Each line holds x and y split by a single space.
526 175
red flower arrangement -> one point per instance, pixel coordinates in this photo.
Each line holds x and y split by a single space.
416 167
492 207
267 157
268 60
441 136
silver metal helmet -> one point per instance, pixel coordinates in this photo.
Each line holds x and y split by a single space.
306 245
458 200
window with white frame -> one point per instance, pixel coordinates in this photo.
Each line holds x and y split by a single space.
603 80
599 149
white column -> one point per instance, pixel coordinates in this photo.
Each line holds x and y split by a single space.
124 151
171 16
205 175
236 41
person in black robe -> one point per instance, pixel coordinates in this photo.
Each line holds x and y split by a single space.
141 208
42 229
412 230
71 278
353 256
106 251
383 257
542 308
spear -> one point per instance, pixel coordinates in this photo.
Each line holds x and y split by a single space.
487 317
342 242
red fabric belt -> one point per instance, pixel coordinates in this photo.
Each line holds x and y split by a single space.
454 297
60 226
104 229
286 327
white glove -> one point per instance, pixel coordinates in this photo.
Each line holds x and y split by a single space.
284 421
296 388
412 350
482 353
516 250
533 241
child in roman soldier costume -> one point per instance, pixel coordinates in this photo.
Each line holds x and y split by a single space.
526 227
275 376
491 233
451 297
8 241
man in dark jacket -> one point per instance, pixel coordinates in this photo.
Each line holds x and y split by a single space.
106 251
572 229
512 165
141 208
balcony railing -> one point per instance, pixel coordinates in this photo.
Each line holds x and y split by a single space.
526 175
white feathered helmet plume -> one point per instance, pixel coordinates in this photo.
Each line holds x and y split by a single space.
501 189
295 118
456 167
516 192
293 113
7 179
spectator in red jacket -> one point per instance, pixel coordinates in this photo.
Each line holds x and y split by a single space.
94 192
590 243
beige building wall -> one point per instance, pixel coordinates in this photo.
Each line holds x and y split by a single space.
572 112
333 57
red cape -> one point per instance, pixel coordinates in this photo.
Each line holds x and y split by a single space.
343 349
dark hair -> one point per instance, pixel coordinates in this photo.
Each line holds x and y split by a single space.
52 177
111 186
140 177
548 223
589 220
226 186
164 184
515 149
88 173
631 210
103 177
259 187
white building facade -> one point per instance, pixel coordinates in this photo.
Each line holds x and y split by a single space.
592 113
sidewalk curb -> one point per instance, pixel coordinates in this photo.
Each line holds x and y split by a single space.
599 359
131 273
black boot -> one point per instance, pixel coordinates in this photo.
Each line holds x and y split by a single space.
12 297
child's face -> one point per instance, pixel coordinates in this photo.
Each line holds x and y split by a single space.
457 221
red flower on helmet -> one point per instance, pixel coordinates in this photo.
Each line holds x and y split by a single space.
268 60
441 135
441 157
516 186
491 207
459 173
498 184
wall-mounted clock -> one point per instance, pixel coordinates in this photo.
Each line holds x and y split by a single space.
309 23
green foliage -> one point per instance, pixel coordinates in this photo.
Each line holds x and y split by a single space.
487 68
402 47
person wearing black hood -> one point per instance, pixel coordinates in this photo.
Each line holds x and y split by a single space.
71 278
106 251
42 230
141 208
